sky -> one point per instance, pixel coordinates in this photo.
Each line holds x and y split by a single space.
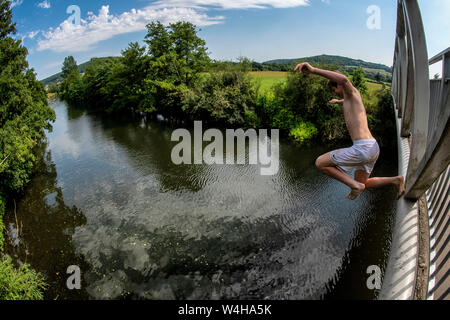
258 29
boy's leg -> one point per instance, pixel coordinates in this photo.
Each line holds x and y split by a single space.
328 167
372 183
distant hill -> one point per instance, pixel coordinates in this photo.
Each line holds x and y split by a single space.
336 60
58 77
373 71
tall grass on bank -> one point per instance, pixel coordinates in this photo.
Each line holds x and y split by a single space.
22 283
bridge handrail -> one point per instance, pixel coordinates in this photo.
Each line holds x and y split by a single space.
438 196
420 102
423 114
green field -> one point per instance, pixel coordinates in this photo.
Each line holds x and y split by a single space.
267 79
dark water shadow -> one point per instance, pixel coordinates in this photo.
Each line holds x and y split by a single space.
42 234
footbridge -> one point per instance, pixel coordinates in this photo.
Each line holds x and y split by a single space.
418 265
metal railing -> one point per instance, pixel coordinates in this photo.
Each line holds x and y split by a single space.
422 104
423 125
438 196
438 208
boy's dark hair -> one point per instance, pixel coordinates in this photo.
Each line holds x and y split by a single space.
332 84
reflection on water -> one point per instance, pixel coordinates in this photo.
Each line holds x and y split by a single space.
108 198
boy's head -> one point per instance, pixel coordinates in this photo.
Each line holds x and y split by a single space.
337 89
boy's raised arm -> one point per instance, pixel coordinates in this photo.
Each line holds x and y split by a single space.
339 78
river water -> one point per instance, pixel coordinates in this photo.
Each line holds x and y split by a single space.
107 198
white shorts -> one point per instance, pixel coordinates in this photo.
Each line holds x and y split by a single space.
361 156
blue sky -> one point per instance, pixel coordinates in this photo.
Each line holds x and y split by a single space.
258 29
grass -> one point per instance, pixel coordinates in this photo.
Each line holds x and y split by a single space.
20 283
373 87
372 96
17 283
267 79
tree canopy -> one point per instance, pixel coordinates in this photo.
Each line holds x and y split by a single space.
24 110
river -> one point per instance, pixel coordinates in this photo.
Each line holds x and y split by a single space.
107 198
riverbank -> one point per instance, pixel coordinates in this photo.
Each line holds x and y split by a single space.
17 282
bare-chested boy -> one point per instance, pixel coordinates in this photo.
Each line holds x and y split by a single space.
362 156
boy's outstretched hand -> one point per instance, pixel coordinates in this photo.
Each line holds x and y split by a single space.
304 67
336 101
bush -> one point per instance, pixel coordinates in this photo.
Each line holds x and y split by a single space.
20 283
303 131
225 98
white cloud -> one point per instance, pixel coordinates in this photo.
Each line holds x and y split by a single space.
44 4
15 3
232 4
68 37
32 34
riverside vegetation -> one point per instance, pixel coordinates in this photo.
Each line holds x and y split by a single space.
24 114
173 76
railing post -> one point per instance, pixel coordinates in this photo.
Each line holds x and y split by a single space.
421 91
437 156
409 93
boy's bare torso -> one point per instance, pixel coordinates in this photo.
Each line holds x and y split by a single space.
355 116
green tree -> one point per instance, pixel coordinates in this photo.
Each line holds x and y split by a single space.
127 79
95 83
69 66
359 80
191 53
177 53
71 88
177 59
224 98
24 114
24 110
6 25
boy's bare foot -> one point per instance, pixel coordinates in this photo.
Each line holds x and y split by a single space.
401 187
356 191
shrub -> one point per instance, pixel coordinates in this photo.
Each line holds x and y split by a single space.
20 283
225 98
303 131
